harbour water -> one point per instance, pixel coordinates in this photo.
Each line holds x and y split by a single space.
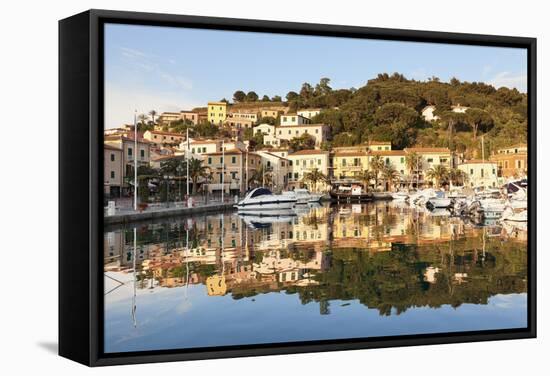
323 272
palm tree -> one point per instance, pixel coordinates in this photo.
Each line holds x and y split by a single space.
390 175
412 161
153 113
314 176
438 173
142 118
196 171
257 177
457 176
376 164
365 177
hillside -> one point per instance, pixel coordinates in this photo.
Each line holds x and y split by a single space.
388 108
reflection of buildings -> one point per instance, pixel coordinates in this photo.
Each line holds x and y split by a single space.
231 256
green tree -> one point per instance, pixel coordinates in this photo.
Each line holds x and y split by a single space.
314 177
265 98
305 141
376 165
196 171
153 113
239 96
438 173
292 96
412 161
251 96
390 176
478 120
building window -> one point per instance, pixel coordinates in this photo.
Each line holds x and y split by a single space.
471 171
430 160
112 174
233 159
290 175
112 157
221 159
482 173
142 153
209 160
344 162
296 176
129 152
402 159
319 162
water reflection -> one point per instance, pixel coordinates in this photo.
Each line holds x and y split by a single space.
339 260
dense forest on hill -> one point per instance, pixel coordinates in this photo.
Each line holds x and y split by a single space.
389 107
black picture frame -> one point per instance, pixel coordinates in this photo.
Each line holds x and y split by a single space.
80 164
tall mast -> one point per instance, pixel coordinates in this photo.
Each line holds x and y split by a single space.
135 161
187 163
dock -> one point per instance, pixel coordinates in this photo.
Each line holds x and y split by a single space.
153 214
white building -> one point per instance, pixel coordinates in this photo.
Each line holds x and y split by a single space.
309 113
279 166
480 173
294 119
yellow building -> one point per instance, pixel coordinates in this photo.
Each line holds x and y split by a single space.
217 112
349 164
305 161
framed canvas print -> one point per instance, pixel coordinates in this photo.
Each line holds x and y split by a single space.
253 187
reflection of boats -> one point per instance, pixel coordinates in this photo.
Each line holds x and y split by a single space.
262 220
348 194
400 196
439 201
260 199
303 196
510 215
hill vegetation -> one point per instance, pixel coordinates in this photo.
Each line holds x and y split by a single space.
389 108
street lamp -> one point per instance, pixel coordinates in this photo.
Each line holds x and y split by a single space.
179 169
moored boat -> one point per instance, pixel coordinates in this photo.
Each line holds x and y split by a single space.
355 193
260 199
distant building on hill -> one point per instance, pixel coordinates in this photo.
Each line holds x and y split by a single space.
217 112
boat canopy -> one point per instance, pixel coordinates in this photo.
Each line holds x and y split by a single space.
259 192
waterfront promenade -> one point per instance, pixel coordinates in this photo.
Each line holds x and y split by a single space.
126 214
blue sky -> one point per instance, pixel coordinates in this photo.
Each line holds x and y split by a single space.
170 69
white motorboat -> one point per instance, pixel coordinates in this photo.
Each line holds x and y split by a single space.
261 199
303 196
400 196
439 201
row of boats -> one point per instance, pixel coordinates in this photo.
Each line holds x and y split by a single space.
481 205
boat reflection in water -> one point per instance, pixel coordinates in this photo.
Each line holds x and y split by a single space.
322 272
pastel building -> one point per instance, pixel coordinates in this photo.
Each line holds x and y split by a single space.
304 161
113 169
217 112
160 138
294 119
511 161
236 166
279 168
480 173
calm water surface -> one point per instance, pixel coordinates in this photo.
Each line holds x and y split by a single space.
328 272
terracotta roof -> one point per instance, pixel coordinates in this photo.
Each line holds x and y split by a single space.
477 161
378 143
111 147
232 151
388 152
117 137
308 152
427 150
350 154
168 133
195 142
273 155
300 126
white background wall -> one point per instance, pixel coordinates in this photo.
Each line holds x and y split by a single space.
28 90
